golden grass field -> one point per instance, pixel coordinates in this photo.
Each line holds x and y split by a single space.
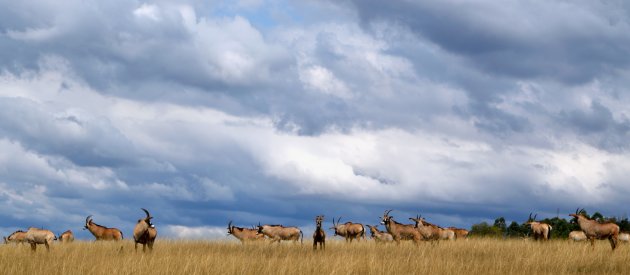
473 256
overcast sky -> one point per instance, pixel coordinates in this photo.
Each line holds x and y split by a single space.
276 111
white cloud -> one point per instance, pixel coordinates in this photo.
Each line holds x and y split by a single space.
193 232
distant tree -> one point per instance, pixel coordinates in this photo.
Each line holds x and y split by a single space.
500 224
515 230
624 224
598 217
484 229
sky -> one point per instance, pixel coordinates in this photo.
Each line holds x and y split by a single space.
277 111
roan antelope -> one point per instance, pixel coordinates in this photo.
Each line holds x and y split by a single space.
400 231
144 232
102 233
66 237
379 236
16 237
348 230
539 229
319 236
35 236
431 231
244 234
279 233
577 236
594 230
460 233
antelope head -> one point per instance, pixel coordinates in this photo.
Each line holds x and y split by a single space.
260 228
229 228
386 219
88 221
147 219
335 225
578 213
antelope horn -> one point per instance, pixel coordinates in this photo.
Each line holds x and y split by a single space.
338 220
387 212
148 215
230 225
87 220
535 216
577 210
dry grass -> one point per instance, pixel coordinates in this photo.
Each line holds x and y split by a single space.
473 256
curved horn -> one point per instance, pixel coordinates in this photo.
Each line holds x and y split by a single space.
87 220
338 220
535 216
230 225
147 211
577 210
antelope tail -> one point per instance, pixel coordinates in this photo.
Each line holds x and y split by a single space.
549 233
302 237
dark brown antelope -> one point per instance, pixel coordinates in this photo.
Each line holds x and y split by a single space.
66 237
16 237
348 230
460 233
279 233
431 231
540 230
102 233
379 236
35 236
244 234
400 231
319 236
594 230
144 232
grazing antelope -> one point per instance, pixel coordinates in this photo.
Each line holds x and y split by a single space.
319 236
66 237
400 231
102 233
594 230
16 237
35 236
431 231
380 236
279 233
577 236
244 234
460 233
624 237
539 229
348 230
144 232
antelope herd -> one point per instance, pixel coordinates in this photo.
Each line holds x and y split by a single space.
145 232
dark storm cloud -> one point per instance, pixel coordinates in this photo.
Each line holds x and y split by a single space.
572 42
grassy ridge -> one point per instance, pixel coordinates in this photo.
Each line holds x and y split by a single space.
198 257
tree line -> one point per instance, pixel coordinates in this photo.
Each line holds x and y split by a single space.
561 227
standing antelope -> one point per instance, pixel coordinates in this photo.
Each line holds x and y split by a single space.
16 237
279 233
539 229
431 231
144 232
319 236
594 230
400 231
460 233
244 234
380 236
35 236
66 237
102 233
348 230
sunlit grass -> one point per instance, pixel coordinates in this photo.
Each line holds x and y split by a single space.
199 257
